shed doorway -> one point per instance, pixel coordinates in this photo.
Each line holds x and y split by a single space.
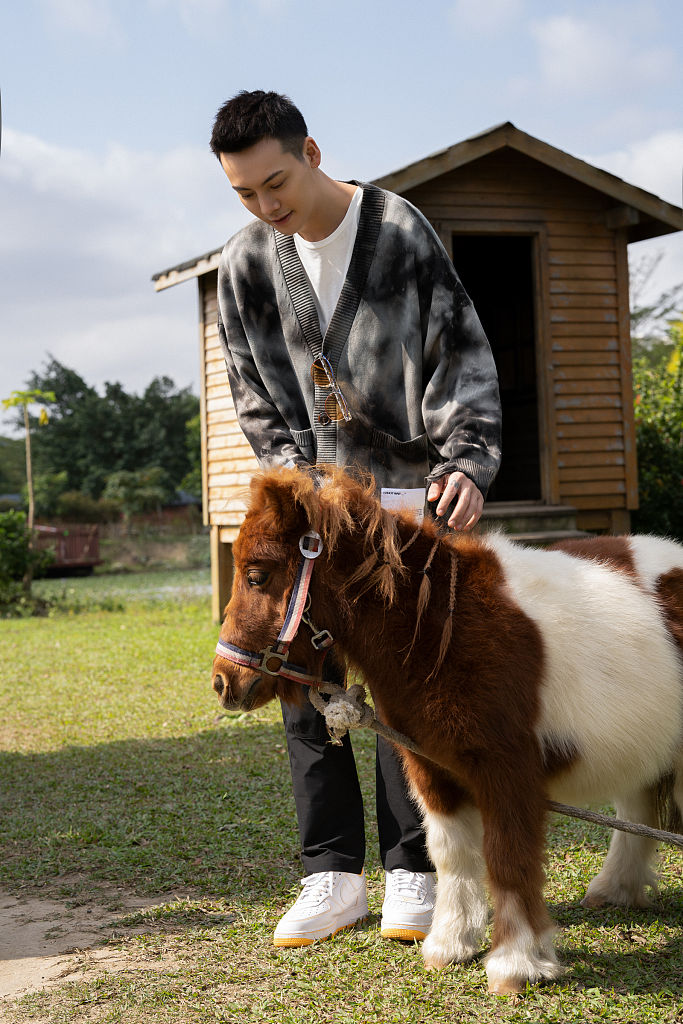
497 272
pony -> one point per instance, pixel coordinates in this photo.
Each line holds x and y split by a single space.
522 674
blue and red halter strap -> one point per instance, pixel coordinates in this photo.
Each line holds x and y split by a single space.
272 660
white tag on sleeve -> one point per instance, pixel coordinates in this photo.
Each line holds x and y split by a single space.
407 499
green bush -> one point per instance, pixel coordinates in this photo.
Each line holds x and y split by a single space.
47 488
659 438
14 546
17 559
76 507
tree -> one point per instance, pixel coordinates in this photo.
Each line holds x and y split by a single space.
138 491
47 489
19 560
659 439
192 481
90 436
22 400
12 465
650 321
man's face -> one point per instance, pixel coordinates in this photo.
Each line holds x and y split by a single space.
273 184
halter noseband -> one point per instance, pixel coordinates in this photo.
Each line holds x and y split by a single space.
272 660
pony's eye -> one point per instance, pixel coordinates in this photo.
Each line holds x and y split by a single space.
257 577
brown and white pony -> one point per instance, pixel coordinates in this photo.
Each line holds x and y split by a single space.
529 674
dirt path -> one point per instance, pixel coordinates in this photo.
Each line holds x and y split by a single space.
46 941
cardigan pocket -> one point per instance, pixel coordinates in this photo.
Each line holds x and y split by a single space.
305 441
397 463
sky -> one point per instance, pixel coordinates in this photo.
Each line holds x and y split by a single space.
106 176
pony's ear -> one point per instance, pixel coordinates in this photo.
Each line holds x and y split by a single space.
286 496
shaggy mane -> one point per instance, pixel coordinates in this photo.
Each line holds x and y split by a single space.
336 504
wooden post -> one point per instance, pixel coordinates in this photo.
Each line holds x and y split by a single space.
620 521
221 574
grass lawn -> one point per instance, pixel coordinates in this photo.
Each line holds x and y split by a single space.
121 777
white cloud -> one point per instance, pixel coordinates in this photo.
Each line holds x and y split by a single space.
655 164
485 16
581 55
92 18
82 234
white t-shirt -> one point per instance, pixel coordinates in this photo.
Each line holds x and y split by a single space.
326 262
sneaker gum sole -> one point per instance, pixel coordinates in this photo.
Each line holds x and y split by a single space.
405 934
294 941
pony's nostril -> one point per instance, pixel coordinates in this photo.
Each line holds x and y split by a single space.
219 684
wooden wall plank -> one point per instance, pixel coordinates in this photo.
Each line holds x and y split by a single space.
204 283
565 258
602 476
585 359
582 315
582 286
582 459
576 489
582 272
590 372
590 429
582 415
586 445
598 501
587 403
588 387
579 300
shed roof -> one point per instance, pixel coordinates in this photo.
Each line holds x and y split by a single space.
643 214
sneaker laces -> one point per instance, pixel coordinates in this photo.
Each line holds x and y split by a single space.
407 885
316 887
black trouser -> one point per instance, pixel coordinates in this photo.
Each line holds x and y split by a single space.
329 806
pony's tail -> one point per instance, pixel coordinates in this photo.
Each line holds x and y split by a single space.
669 816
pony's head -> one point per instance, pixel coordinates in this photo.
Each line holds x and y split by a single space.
358 547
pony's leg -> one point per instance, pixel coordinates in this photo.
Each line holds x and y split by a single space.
454 842
514 841
626 871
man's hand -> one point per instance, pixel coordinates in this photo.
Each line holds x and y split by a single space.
469 505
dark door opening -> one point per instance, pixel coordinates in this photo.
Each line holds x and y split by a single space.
497 273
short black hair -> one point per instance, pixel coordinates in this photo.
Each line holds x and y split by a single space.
251 116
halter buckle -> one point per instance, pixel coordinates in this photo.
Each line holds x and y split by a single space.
310 544
322 639
267 654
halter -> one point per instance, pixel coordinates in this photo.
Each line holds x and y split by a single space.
272 659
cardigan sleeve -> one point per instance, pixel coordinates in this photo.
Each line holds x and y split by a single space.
461 403
258 417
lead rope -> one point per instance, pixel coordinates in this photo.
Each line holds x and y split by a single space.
348 709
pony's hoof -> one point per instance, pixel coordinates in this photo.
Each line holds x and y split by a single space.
436 963
439 954
593 902
506 986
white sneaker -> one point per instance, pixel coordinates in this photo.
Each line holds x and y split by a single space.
408 904
330 901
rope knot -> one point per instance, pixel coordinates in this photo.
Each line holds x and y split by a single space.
346 709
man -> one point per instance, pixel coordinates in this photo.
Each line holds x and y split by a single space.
350 340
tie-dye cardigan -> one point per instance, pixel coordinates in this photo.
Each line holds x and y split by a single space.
405 343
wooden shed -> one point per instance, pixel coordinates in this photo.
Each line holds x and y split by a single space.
540 240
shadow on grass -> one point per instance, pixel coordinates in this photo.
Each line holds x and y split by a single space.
211 812
622 948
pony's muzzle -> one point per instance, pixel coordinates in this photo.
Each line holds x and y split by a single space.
226 692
